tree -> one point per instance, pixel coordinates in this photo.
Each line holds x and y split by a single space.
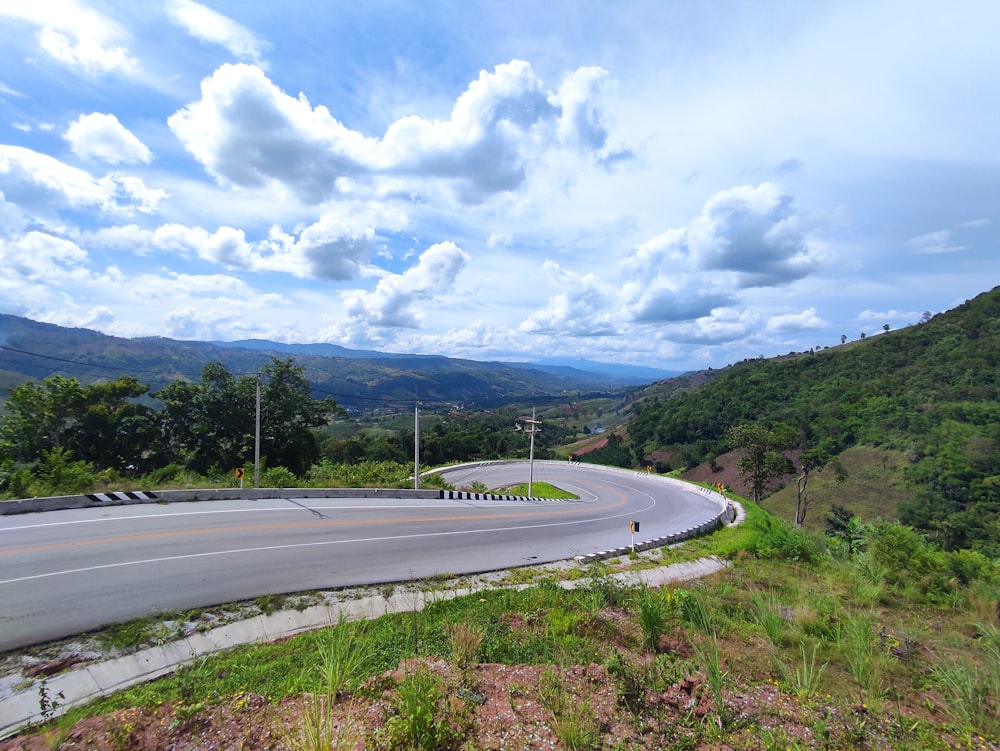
812 459
212 423
289 414
39 417
762 459
102 424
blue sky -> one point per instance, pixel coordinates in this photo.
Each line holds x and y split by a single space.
663 183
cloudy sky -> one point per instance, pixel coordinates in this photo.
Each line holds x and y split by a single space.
657 182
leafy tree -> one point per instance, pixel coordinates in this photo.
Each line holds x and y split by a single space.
40 417
289 414
762 459
102 424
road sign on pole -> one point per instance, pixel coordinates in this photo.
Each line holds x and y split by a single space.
240 472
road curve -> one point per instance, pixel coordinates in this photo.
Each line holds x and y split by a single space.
70 571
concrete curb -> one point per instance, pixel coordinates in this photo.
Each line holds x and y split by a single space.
21 708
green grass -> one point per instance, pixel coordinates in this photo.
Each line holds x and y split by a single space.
774 619
874 488
538 490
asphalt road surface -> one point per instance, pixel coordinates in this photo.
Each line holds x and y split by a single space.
66 572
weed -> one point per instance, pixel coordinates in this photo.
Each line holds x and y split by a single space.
710 659
344 657
974 692
651 610
464 639
422 720
863 660
806 678
47 703
768 616
573 720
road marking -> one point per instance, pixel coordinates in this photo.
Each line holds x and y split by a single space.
170 514
534 513
290 546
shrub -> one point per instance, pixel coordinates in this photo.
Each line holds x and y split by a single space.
278 477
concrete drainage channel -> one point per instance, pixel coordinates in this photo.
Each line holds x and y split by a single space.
21 701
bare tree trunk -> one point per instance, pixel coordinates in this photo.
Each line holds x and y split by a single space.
801 499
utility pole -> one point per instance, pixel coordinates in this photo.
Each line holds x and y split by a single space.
416 446
531 430
256 441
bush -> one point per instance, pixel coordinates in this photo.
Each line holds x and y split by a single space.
278 477
164 475
60 476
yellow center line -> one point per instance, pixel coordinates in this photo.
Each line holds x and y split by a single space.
292 525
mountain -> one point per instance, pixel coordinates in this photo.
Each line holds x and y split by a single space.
615 373
356 378
926 396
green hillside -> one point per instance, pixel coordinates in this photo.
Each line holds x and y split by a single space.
929 392
34 351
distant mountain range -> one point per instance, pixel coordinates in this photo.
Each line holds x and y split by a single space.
356 378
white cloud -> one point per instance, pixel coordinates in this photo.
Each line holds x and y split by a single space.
42 185
807 320
42 258
247 132
580 309
881 317
103 137
722 325
393 302
209 26
76 35
581 121
499 240
934 243
744 237
328 249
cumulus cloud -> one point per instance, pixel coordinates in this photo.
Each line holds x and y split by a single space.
210 26
499 240
581 308
721 325
394 301
807 320
103 137
42 185
581 120
745 237
245 131
328 249
76 35
41 257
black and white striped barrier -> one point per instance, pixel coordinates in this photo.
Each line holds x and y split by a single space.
466 495
122 496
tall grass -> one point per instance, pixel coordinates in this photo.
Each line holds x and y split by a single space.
652 610
864 661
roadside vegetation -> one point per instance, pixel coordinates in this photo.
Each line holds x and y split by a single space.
866 638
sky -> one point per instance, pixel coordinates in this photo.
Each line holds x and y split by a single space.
662 183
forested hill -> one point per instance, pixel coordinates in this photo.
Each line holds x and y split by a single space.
33 350
931 390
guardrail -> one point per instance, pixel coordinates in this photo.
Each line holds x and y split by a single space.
121 498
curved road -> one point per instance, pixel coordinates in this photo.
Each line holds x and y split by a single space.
66 572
